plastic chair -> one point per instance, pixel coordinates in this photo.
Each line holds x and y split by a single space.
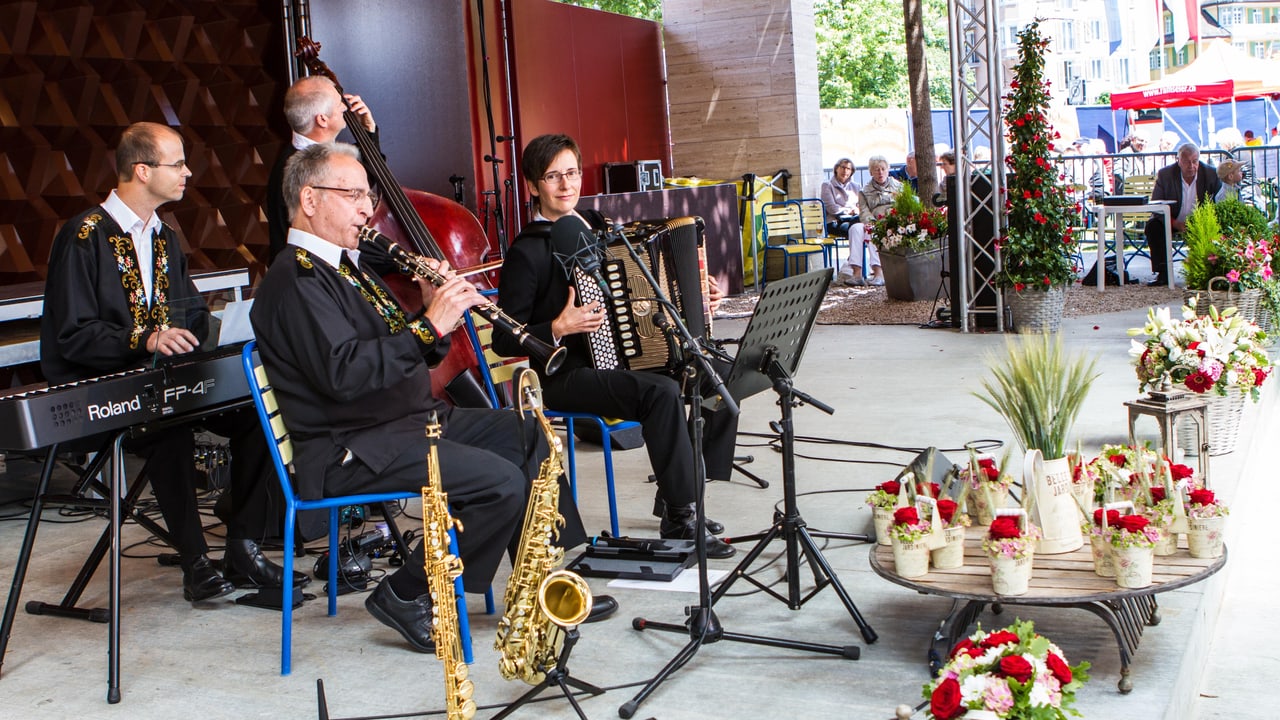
281 449
498 370
782 227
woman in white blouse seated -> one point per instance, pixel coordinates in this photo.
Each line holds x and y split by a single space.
874 200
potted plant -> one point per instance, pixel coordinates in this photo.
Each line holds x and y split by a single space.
1097 530
1231 258
1132 541
1039 391
1010 544
1219 354
909 238
1035 252
954 522
909 534
1013 673
987 485
883 501
1205 520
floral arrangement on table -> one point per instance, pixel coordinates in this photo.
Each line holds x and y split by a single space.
909 227
1219 352
1010 673
947 513
885 495
1231 240
1120 471
1007 538
1132 531
1036 252
908 526
983 474
1096 527
1204 504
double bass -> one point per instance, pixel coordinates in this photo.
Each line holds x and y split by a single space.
426 224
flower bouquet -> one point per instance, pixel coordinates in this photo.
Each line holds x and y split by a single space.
1121 471
1218 351
910 539
988 485
1008 674
1133 542
1010 545
954 522
1097 530
909 227
1205 520
883 501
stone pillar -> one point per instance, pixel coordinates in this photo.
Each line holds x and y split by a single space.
743 89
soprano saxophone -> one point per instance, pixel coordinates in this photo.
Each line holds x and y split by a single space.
442 568
541 602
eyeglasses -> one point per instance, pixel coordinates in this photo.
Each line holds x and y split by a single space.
844 167
355 195
554 177
152 163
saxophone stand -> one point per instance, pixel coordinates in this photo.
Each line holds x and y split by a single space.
557 676
783 318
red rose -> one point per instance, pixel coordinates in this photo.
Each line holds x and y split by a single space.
987 463
1005 526
944 703
962 646
1016 667
1059 668
1118 460
946 509
1180 472
1199 381
1195 346
1132 523
998 638
1202 497
891 487
906 516
1112 517
1259 376
933 490
1157 494
991 473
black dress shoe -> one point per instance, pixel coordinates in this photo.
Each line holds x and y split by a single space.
201 582
682 527
660 510
410 618
602 606
246 567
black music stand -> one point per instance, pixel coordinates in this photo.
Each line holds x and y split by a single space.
769 353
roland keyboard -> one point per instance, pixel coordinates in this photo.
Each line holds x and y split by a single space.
187 386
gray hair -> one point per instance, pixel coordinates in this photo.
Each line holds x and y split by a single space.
871 162
1188 150
306 99
308 167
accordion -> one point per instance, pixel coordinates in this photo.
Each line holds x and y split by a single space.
629 338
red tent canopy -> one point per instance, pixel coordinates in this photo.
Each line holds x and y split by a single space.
1172 93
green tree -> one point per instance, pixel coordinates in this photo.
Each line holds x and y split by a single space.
647 9
862 55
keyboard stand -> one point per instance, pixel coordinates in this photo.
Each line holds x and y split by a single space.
111 452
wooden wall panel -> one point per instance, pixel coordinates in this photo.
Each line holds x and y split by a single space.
75 73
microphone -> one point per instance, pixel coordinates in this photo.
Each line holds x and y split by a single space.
574 245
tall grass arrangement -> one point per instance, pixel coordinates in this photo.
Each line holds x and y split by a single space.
1038 390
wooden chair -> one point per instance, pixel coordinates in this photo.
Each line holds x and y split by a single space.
1133 225
281 450
782 228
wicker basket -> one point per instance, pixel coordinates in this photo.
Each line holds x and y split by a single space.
1224 413
1036 311
1248 303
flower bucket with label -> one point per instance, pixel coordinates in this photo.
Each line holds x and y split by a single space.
1204 536
986 501
1053 507
1133 566
1168 543
911 559
951 554
1011 576
883 518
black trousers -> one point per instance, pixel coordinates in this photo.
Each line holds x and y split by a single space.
256 500
1156 247
655 401
486 460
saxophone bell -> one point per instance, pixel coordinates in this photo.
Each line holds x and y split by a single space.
566 598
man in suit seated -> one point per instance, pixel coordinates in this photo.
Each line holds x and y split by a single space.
1187 182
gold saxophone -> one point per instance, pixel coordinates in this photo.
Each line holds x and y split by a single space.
540 603
442 568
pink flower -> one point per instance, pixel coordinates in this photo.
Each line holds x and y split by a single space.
1233 275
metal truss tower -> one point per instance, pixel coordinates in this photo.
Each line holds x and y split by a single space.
976 83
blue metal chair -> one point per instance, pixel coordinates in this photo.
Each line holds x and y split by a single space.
496 370
281 449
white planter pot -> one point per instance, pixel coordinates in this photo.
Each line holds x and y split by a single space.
950 555
1133 566
911 560
985 511
1054 507
882 519
1011 576
1102 560
1167 544
1204 536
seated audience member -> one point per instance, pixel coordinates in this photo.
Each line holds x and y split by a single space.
1187 183
875 199
840 198
350 372
1231 173
947 162
907 173
1168 141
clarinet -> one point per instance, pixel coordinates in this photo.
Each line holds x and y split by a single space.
549 356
